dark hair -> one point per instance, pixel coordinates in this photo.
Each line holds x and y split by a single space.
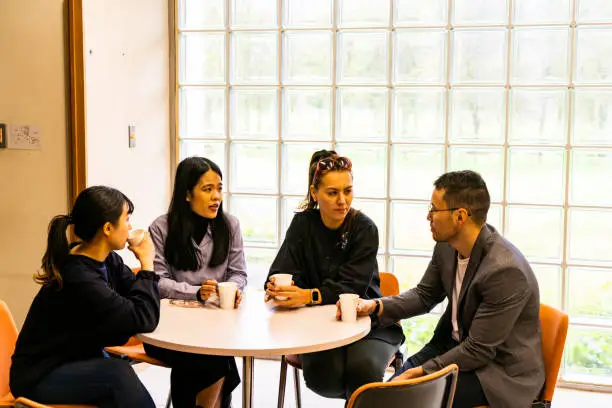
179 250
339 163
466 189
94 207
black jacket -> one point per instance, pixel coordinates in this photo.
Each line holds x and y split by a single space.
76 322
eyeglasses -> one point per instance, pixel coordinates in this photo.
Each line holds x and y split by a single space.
431 209
332 163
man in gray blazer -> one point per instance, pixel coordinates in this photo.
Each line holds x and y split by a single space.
491 327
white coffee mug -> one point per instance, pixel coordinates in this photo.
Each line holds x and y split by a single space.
135 237
227 294
282 279
348 306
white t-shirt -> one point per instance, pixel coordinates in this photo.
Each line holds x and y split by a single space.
461 267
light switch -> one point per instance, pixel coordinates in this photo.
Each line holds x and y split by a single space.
132 136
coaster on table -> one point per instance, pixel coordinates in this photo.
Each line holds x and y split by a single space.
186 303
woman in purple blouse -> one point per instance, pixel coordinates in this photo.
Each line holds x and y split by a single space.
197 246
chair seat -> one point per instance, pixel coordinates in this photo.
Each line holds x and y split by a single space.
31 404
134 352
294 361
7 401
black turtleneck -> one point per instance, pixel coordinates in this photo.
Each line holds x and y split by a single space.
200 227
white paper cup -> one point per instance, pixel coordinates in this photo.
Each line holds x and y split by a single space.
135 237
282 279
348 306
227 294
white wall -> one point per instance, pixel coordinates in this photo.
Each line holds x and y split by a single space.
127 82
33 184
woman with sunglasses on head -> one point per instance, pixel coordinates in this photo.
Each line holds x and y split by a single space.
330 249
88 300
197 245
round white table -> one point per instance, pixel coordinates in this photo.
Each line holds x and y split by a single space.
255 329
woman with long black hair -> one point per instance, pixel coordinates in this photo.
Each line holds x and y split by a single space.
197 246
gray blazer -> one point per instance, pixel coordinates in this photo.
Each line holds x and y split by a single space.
497 314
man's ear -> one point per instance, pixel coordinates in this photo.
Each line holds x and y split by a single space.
462 215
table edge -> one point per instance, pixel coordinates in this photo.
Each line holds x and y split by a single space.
272 352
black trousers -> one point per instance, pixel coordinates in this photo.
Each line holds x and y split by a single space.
338 372
469 392
191 373
103 382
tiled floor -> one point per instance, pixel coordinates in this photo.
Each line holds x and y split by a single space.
265 391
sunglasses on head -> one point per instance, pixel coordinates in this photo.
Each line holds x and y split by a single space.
332 163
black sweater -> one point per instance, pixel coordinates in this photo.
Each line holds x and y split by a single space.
86 315
319 257
334 261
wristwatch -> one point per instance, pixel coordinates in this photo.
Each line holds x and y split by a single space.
377 308
315 297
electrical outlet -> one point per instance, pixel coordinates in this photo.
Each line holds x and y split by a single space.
28 137
132 136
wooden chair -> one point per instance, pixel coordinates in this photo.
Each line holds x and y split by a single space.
554 324
8 338
389 286
435 390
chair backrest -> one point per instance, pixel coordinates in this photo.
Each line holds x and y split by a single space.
435 390
554 325
8 338
389 285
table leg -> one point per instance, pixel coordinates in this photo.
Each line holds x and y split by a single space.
281 383
247 378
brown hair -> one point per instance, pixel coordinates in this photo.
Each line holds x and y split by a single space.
315 174
336 163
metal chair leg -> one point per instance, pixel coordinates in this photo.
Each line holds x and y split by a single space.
282 382
298 393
